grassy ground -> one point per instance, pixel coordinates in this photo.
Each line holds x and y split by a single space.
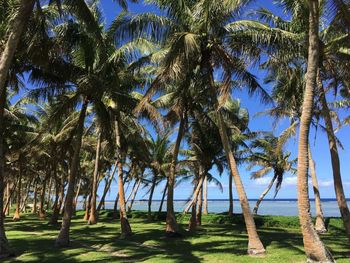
220 239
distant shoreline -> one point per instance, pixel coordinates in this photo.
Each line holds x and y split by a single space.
226 200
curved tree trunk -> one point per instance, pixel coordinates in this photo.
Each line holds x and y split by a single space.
205 196
61 200
193 220
153 186
16 216
197 190
200 208
15 33
171 224
115 207
338 184
35 197
75 203
63 237
49 194
134 195
162 201
124 222
262 196
93 214
230 195
319 225
55 207
107 187
255 246
314 247
87 207
24 200
5 249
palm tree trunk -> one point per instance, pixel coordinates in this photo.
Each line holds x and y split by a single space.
42 213
25 197
35 197
205 196
8 201
5 249
149 215
196 191
115 207
49 195
16 216
230 195
134 195
171 224
319 225
8 196
87 207
255 246
93 215
76 197
61 200
124 222
193 220
314 247
63 237
55 207
107 186
262 196
338 184
15 33
162 201
200 208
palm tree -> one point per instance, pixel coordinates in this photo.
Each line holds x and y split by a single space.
270 156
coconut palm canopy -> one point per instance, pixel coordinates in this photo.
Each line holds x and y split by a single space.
103 103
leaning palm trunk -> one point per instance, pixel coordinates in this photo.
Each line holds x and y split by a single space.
162 201
262 196
87 207
200 208
193 221
16 216
338 185
196 191
230 195
319 225
7 210
42 213
314 247
171 224
205 196
134 195
63 237
75 203
93 214
255 246
107 187
149 214
15 33
124 222
55 207
5 249
24 200
35 197
8 201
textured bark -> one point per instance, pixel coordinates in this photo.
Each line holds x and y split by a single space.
162 201
93 214
7 210
262 196
61 200
314 247
200 208
17 216
171 224
107 187
134 195
76 197
8 201
87 207
49 194
15 32
255 246
63 237
338 184
205 196
153 186
5 249
319 225
196 191
230 196
35 197
124 222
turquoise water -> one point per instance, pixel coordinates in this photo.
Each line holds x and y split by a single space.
268 207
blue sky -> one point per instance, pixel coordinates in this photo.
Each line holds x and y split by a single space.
255 187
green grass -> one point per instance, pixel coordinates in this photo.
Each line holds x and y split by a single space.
220 239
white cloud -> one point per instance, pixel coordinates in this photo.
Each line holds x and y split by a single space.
262 180
325 183
291 181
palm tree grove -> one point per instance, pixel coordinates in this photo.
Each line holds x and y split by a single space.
174 131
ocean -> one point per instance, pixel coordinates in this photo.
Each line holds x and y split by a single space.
280 207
